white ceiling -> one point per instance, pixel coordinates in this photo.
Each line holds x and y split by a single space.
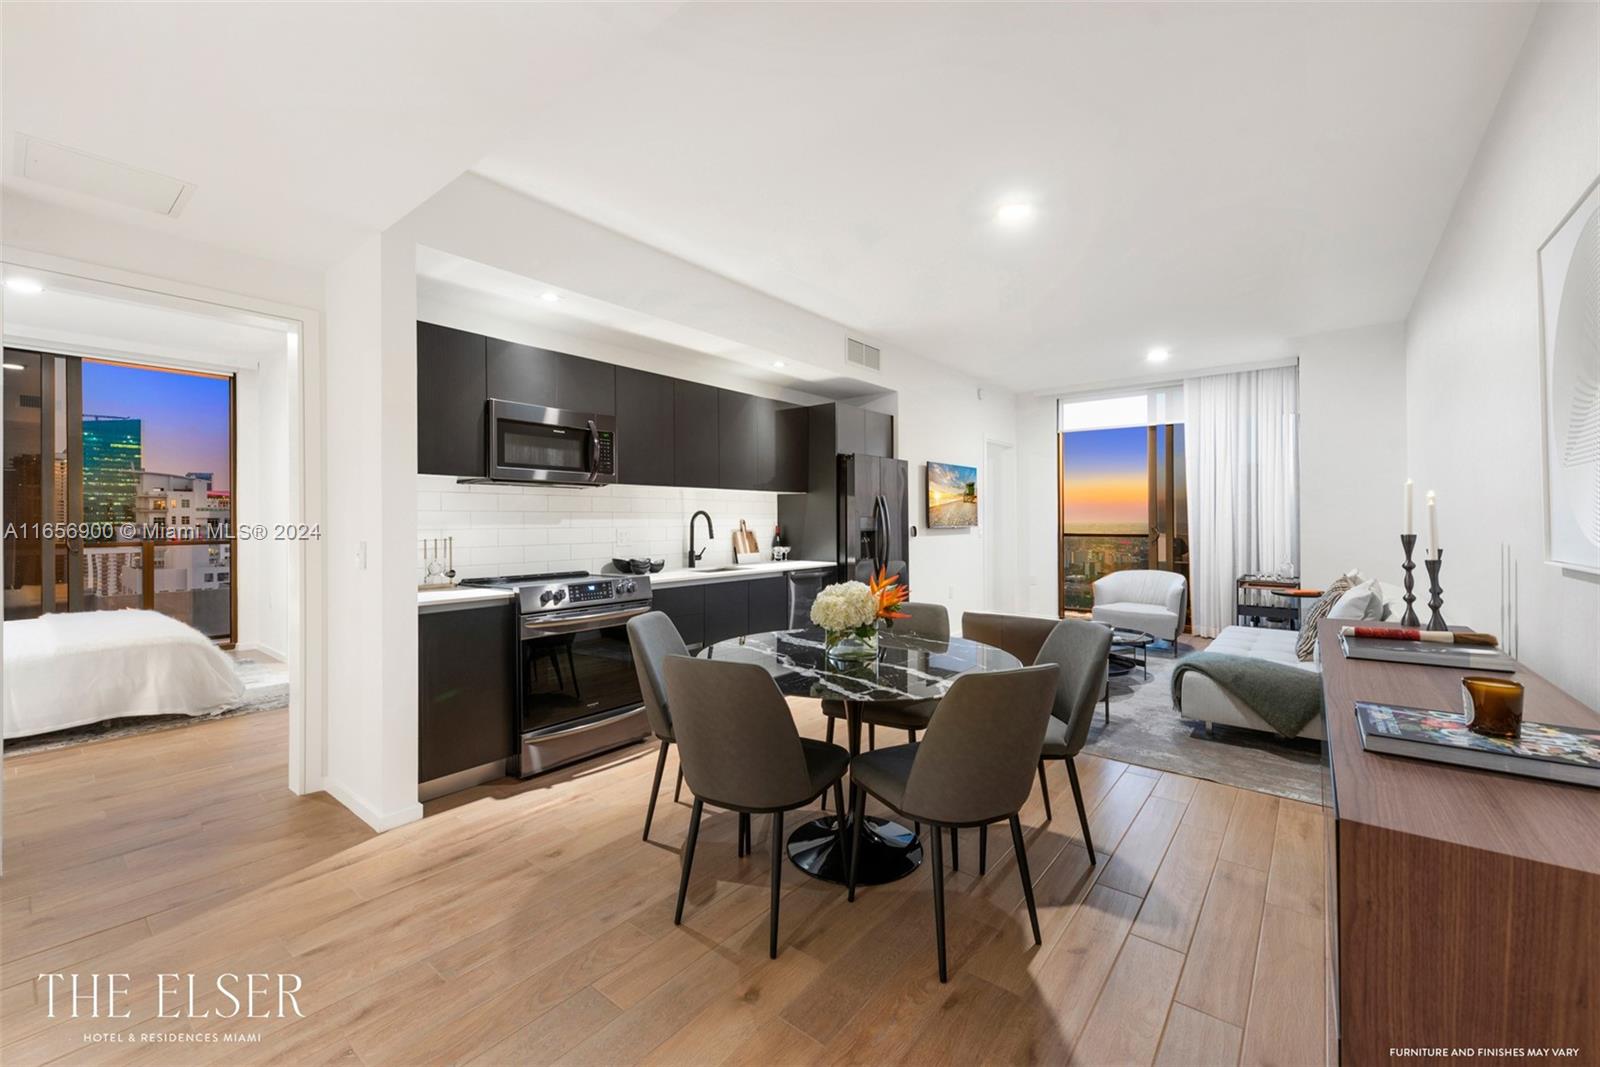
1217 179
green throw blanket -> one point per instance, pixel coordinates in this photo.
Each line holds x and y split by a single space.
1286 697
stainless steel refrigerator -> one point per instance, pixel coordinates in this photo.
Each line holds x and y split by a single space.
874 522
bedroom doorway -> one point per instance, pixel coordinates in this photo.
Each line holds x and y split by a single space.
120 490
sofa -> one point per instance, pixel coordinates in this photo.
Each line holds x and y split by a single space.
1152 601
1207 702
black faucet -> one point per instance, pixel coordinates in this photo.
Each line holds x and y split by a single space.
693 555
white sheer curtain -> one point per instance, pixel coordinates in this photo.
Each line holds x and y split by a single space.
1242 463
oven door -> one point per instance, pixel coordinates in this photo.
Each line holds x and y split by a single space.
576 666
530 443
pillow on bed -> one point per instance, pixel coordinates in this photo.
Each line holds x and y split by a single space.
1306 647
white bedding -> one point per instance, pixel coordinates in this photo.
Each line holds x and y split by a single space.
72 669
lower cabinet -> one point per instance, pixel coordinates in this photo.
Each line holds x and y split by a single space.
769 604
685 605
466 673
715 611
727 610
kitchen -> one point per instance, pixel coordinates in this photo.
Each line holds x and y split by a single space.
547 481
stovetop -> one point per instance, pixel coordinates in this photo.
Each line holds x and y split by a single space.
568 590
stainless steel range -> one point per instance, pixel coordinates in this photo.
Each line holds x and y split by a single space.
579 694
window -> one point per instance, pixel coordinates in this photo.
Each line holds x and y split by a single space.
1121 491
132 449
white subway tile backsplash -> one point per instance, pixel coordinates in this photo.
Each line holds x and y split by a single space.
501 529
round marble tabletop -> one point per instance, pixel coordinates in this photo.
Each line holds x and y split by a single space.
905 669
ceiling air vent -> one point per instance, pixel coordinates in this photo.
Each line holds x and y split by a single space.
103 179
862 354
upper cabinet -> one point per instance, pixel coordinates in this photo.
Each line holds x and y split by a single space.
669 431
531 375
877 433
451 387
645 407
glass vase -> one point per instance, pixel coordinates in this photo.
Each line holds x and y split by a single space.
852 646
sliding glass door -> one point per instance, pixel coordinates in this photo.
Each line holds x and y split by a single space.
119 490
1123 506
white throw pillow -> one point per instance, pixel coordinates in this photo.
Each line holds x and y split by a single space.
1363 602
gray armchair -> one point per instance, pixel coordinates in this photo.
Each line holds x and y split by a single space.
1151 601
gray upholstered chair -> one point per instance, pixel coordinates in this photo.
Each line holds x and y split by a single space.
740 750
973 766
1080 650
928 621
1020 635
653 638
1151 601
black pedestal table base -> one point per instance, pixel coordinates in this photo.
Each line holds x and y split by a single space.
889 850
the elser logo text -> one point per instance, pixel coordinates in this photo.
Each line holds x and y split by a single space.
106 996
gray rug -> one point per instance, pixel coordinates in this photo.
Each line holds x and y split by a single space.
1146 730
266 687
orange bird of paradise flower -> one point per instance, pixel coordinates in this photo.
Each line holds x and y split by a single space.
890 593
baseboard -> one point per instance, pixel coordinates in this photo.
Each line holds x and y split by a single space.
267 650
363 811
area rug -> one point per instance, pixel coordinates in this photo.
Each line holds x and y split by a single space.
1145 730
266 687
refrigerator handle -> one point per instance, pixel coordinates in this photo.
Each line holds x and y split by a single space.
880 540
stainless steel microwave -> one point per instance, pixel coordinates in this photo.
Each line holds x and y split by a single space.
530 443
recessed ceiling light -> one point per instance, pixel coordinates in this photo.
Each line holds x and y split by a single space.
15 366
777 363
1014 213
25 285
1157 355
550 298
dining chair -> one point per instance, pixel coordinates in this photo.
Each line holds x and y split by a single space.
653 638
1080 650
740 751
973 766
930 622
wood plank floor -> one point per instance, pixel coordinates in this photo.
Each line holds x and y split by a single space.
528 923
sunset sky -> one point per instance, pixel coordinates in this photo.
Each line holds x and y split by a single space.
185 416
1105 478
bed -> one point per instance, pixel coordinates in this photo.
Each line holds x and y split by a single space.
72 669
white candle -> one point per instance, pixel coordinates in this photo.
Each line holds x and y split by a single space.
1433 526
1408 529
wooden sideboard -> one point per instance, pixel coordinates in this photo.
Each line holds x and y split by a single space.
1466 904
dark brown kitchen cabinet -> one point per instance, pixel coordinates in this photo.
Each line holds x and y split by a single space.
466 665
727 610
877 437
685 605
769 604
645 417
451 388
531 375
792 428
738 439
695 445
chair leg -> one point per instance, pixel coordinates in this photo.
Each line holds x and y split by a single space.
744 833
838 822
1044 787
831 723
872 736
650 810
983 850
938 898
1108 701
677 790
911 735
858 798
688 860
1083 816
777 883
1027 879
955 850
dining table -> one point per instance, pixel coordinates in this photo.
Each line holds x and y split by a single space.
902 670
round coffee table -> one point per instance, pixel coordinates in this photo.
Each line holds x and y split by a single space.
905 669
1129 649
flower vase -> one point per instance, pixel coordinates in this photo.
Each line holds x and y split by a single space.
852 646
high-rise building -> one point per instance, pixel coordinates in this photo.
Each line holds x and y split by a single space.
113 455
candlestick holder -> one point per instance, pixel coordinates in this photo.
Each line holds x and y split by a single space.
1409 542
1435 594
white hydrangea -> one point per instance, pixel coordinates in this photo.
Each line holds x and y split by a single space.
846 606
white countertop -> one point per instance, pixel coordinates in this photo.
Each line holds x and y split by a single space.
432 598
454 597
742 572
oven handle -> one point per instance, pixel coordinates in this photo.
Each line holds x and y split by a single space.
579 621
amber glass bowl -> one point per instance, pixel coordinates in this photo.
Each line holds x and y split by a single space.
1494 706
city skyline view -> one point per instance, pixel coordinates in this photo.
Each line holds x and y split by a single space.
183 418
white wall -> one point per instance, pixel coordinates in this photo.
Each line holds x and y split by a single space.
262 463
1353 453
1472 352
1036 476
